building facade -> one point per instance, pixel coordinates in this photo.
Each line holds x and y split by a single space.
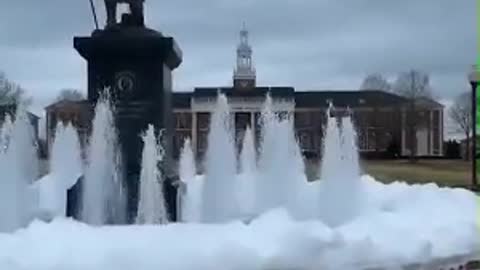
383 120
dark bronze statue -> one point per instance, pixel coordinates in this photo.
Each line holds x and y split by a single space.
136 9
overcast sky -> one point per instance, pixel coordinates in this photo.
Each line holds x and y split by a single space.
308 44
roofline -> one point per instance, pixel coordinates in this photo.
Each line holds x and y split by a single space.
434 101
65 101
34 115
232 87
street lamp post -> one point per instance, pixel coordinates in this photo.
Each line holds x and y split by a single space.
474 78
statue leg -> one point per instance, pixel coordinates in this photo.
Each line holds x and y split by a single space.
111 7
136 9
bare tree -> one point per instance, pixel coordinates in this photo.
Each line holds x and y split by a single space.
70 95
461 113
11 93
414 85
375 81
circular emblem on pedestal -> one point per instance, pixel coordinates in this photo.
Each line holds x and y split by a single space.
125 83
244 84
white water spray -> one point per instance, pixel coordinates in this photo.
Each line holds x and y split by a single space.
5 131
340 173
187 168
190 186
66 164
218 197
248 174
248 158
276 185
65 169
281 173
350 149
102 188
151 203
332 152
19 167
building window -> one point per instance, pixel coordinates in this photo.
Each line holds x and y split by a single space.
203 120
183 120
436 132
362 139
303 119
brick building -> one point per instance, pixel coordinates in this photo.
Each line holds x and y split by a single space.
381 118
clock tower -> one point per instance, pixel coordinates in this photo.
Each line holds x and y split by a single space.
244 74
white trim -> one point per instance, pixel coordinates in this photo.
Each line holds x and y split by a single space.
404 141
440 132
316 109
431 132
182 110
242 105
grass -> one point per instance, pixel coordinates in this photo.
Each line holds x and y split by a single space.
441 172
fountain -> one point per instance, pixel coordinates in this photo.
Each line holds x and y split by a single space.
5 131
19 167
248 156
65 159
269 129
326 224
151 203
218 195
65 169
281 164
102 189
190 200
187 169
248 174
280 170
341 199
340 172
342 220
350 148
331 157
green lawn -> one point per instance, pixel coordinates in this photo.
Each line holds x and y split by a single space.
442 172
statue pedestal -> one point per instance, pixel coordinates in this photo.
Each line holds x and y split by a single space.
134 64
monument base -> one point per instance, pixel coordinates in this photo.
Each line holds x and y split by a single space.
133 65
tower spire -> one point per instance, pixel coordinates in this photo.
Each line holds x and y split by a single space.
244 74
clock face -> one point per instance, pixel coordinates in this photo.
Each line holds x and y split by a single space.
125 82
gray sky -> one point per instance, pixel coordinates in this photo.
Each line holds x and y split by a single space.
308 44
